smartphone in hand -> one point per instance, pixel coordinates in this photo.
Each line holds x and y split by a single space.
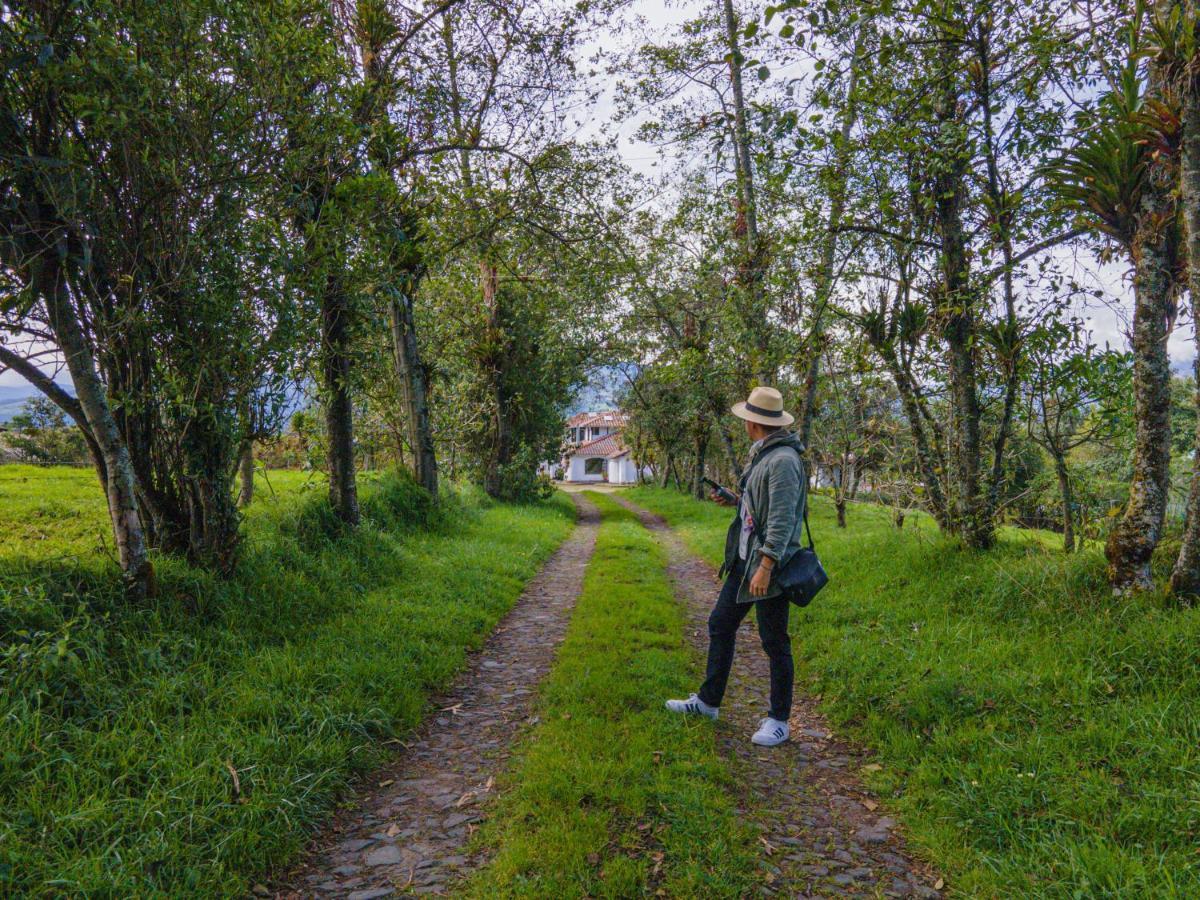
724 493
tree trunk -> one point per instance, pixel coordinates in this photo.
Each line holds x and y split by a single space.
414 391
121 489
745 171
700 462
1067 493
839 504
668 465
339 410
494 365
825 279
410 370
246 474
1155 256
999 200
750 276
957 309
1185 579
926 458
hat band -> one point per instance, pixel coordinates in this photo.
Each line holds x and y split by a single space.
771 413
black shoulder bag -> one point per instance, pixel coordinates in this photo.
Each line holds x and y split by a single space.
803 576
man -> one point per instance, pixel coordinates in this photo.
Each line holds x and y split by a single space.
763 536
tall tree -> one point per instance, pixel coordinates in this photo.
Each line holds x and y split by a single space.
1174 38
1123 174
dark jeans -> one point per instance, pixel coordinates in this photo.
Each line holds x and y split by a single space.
723 624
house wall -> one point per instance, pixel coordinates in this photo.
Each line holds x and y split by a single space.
581 435
622 470
575 471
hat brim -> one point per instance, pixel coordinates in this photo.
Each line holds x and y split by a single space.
784 418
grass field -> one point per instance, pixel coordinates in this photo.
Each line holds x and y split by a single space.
184 747
1039 737
610 797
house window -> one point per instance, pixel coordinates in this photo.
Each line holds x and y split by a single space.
593 466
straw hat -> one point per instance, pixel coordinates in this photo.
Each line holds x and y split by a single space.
765 407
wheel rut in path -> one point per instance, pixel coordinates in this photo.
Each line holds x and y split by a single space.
822 833
409 834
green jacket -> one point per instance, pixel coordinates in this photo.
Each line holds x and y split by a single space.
775 491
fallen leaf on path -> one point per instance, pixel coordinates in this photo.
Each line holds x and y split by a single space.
386 783
872 767
393 830
465 799
490 783
453 710
871 805
939 884
768 845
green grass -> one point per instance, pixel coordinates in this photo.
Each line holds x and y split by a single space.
1039 737
610 795
121 725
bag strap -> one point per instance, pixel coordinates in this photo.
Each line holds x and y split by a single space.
746 475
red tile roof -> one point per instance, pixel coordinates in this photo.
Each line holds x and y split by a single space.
608 418
610 447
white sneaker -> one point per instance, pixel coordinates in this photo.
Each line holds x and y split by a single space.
693 705
771 732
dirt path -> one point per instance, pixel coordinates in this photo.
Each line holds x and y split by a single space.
823 833
408 835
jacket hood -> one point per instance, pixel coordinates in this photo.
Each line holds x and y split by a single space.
781 439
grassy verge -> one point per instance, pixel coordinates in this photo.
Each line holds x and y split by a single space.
1040 737
184 747
611 796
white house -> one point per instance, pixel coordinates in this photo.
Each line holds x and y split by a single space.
594 452
584 427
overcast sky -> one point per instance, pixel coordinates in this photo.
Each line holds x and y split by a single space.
1107 318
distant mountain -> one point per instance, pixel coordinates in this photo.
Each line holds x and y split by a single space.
13 397
603 389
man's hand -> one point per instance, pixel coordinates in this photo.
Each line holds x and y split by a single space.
761 579
721 501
